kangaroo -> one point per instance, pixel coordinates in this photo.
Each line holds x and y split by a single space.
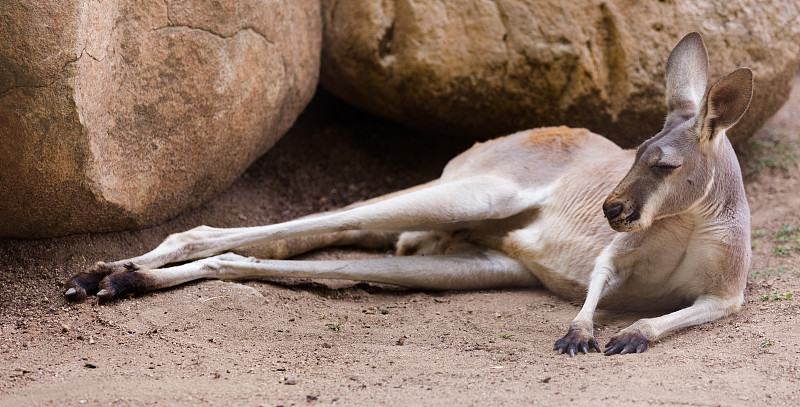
664 227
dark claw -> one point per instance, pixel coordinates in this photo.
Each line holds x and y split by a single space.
76 294
574 342
627 342
593 344
105 295
612 350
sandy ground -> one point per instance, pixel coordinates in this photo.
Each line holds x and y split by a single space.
302 342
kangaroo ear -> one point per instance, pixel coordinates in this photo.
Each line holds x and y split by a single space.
726 102
687 73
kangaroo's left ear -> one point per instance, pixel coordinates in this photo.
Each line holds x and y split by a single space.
687 70
725 103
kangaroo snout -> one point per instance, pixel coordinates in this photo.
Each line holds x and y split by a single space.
623 215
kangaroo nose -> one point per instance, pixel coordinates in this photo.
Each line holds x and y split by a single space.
612 209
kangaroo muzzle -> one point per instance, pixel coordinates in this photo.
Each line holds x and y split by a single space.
622 215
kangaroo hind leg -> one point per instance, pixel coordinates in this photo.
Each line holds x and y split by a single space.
440 206
462 271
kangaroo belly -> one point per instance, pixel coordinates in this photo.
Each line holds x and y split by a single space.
560 255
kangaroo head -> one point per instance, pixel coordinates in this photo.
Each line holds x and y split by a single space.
676 168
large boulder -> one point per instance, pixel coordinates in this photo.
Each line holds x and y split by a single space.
120 114
481 68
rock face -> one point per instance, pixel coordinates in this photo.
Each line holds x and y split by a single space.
120 114
481 68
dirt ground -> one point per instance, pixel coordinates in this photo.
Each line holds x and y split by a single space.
301 342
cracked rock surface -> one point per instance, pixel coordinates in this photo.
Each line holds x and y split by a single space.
119 115
481 68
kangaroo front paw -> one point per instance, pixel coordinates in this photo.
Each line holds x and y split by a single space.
576 340
88 282
133 279
627 342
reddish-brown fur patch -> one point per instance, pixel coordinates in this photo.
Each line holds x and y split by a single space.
557 138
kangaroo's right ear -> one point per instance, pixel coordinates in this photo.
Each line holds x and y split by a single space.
687 72
726 102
